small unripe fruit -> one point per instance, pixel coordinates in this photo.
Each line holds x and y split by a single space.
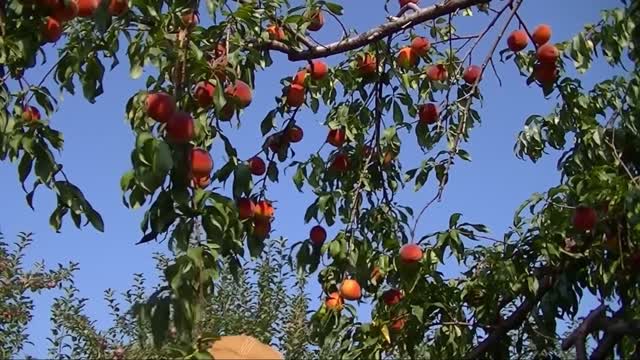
257 166
30 113
180 128
392 296
367 64
118 7
541 34
340 163
584 218
318 69
160 106
350 289
437 73
410 254
201 163
261 228
472 74
547 54
406 58
317 235
246 208
420 46
275 32
203 94
428 113
317 21
334 301
295 96
336 137
295 134
518 40
51 30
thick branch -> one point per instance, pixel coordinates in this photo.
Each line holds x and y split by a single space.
512 322
615 329
578 337
375 34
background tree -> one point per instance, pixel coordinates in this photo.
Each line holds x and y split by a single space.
578 236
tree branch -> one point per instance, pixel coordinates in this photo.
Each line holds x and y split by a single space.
375 34
578 337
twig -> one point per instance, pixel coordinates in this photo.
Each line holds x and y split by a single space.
375 34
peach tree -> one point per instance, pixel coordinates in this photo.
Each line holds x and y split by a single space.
414 78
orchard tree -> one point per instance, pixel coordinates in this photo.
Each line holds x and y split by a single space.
411 79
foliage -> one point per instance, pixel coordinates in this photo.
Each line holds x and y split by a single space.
579 236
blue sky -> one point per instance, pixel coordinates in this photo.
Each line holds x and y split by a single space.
99 141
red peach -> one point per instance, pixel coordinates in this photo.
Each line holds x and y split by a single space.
428 113
545 74
317 235
472 74
340 163
406 58
203 94
334 301
420 46
350 289
86 8
261 228
547 54
410 253
201 163
295 96
257 166
30 113
317 21
275 32
337 137
51 30
160 106
518 40
405 2
264 210
65 12
392 296
318 69
541 34
246 208
180 128
367 64
118 7
299 78
437 72
240 93
295 134
584 218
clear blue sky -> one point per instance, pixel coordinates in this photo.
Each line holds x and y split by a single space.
99 141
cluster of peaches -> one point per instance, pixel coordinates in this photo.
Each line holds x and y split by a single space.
545 70
61 11
410 255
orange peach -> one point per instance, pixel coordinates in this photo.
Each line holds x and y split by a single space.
420 46
410 253
318 69
317 21
295 96
518 40
334 301
547 54
275 32
350 289
541 34
367 64
406 58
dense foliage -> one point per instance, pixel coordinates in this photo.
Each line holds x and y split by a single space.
579 236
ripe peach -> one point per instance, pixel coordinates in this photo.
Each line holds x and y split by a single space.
264 210
246 208
65 12
240 93
275 142
257 166
317 235
397 325
406 58
584 218
275 32
420 46
428 113
118 7
350 289
160 106
201 182
261 228
86 8
340 163
299 78
336 137
201 163
180 128
334 301
317 21
410 253
367 64
203 93
30 113
392 296
518 40
437 72
541 34
295 96
295 134
547 54
318 69
405 2
51 30
546 74
472 74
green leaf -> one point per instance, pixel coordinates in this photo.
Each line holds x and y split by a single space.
242 182
162 159
24 168
160 321
95 219
334 8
